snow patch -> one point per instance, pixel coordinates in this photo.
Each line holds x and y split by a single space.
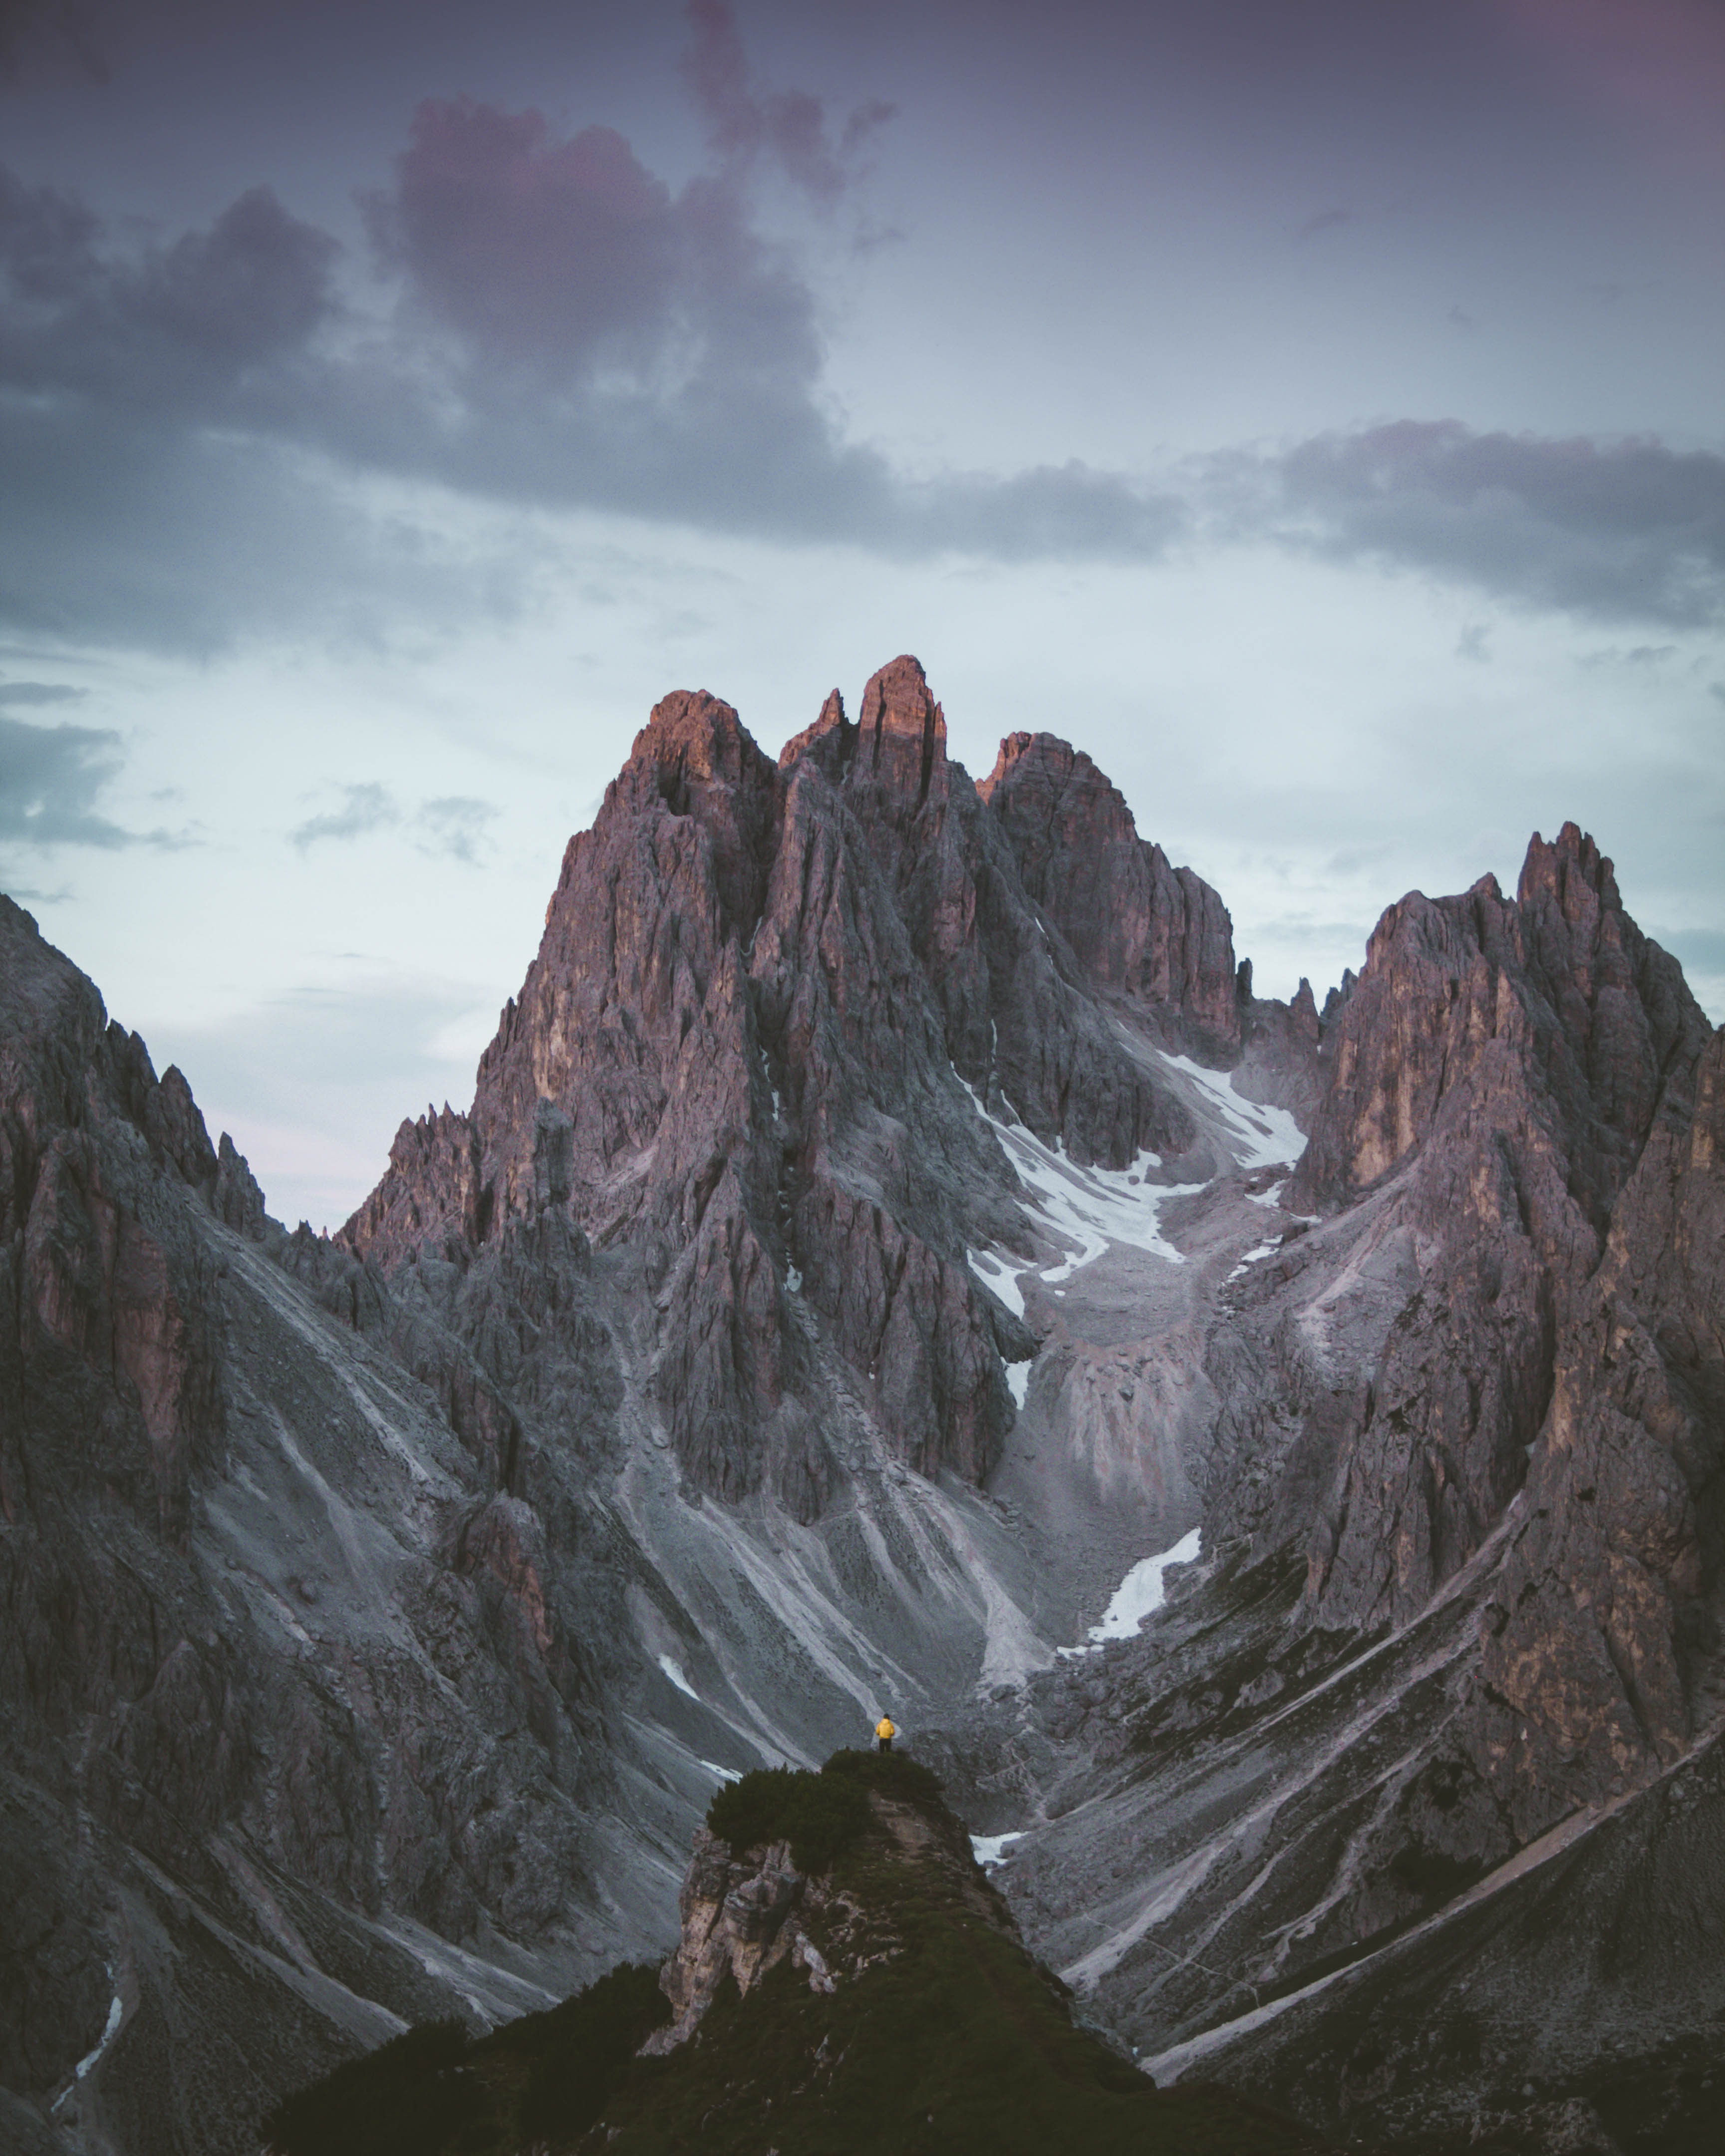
1272 1196
1089 1207
998 1276
1018 1382
1252 1257
1141 1591
116 2015
1258 1135
990 1849
723 1774
674 1670
793 1279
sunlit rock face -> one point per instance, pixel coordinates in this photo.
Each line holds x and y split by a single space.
1134 922
884 1220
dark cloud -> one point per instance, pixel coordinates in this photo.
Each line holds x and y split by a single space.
50 779
49 31
1625 530
566 330
364 809
199 328
571 253
187 428
21 695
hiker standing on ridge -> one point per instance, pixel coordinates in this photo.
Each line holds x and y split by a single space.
885 1733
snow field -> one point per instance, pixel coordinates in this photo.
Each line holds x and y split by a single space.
1142 1591
1257 1135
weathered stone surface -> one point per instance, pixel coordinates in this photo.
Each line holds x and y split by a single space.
338 1579
1019 1029
1522 1051
738 1916
1601 1646
262 1677
1133 921
1462 1589
735 1051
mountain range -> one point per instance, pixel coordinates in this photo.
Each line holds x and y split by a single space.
884 1217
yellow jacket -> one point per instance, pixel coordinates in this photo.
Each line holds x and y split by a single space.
883 1728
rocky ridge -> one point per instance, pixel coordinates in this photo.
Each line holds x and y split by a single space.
1461 1599
853 1259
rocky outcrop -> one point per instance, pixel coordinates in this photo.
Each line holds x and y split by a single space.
407 1582
1134 922
1515 1056
1019 1028
743 1054
1556 995
739 1920
1451 1678
1603 1652
278 1665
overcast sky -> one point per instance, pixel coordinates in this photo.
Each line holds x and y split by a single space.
1315 413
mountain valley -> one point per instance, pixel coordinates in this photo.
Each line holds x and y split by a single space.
885 1217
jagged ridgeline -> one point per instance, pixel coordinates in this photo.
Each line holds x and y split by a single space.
886 1223
847 1980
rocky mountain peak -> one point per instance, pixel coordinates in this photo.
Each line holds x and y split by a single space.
901 731
1134 921
696 758
840 1276
827 744
1570 871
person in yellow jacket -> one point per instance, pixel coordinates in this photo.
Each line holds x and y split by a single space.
885 1733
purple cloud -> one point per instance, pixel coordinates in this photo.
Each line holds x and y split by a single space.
570 250
171 326
789 125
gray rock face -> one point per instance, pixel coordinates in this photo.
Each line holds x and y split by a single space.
1133 923
1524 1050
794 1326
370 1623
276 1693
1459 1609
741 1050
739 1921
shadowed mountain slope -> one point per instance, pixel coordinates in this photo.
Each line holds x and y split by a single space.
881 1226
1463 1584
847 1981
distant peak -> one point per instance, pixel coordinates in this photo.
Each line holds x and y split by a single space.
698 729
828 735
1555 869
896 700
902 730
1032 751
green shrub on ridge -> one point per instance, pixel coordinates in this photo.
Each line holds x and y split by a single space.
819 1814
